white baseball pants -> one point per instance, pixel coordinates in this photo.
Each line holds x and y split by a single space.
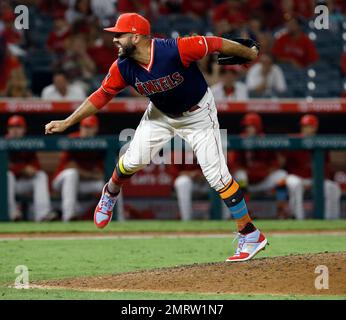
38 185
296 186
199 128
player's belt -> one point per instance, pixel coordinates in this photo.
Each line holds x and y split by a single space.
181 114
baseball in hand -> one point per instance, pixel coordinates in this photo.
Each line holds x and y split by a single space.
55 127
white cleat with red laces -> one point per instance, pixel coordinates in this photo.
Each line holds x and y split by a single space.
104 210
248 246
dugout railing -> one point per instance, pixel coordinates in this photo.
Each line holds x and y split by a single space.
318 145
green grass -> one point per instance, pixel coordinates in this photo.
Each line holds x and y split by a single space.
169 226
55 259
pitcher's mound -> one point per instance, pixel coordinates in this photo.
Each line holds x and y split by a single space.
295 274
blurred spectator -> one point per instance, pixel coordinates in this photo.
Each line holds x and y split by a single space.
52 7
60 33
103 53
265 79
166 7
340 179
5 5
104 10
25 176
188 183
270 12
76 62
14 37
258 171
336 18
142 7
18 88
10 67
79 172
265 40
254 28
94 34
196 8
298 165
80 17
341 5
302 8
294 46
9 32
154 180
229 88
79 11
229 15
61 90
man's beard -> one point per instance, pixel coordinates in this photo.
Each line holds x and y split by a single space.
127 51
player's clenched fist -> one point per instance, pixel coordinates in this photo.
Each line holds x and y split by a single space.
55 126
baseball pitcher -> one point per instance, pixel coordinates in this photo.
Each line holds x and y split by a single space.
165 71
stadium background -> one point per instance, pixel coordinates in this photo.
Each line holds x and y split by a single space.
67 36
163 259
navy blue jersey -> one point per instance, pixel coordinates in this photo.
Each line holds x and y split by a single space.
172 86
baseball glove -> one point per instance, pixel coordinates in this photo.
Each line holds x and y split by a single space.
229 60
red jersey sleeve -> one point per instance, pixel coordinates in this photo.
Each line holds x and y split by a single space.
100 98
197 47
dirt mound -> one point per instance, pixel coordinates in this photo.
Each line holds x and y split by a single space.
293 274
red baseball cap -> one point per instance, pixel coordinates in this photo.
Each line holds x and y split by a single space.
90 121
253 119
131 23
16 121
309 120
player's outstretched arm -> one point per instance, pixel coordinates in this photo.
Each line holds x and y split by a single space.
86 109
91 105
233 48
